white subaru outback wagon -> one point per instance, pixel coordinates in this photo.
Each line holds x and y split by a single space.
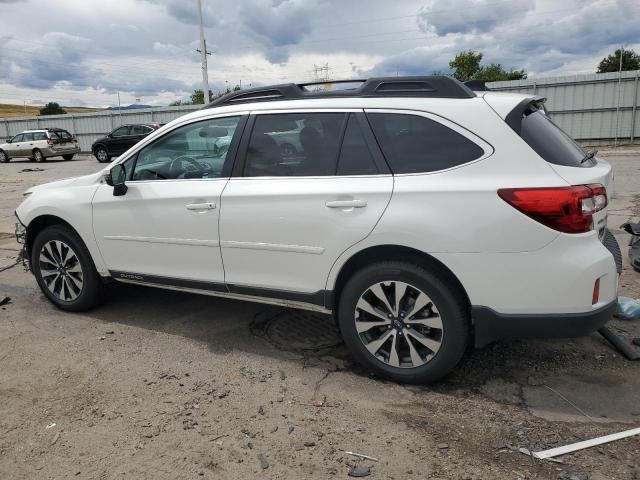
426 217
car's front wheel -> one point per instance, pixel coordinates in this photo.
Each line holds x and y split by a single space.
404 322
68 157
4 158
102 155
64 269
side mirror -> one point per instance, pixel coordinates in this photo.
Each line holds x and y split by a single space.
118 176
9 139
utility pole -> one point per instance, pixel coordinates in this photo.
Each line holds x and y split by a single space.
203 53
321 73
119 111
615 142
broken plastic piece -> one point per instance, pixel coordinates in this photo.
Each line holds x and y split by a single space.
627 309
554 452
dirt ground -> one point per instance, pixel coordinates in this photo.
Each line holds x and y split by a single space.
162 385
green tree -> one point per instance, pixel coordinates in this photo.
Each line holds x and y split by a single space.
466 66
236 88
177 103
52 108
197 97
611 63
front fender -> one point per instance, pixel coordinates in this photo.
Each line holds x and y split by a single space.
72 205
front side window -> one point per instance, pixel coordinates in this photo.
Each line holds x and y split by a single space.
294 144
416 144
17 138
121 131
197 151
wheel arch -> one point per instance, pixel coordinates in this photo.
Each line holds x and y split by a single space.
41 222
391 252
95 147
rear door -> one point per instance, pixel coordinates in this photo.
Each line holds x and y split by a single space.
287 216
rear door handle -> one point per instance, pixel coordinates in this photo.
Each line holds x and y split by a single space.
346 204
201 206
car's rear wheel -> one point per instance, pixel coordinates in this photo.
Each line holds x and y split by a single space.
404 322
102 155
68 157
38 156
64 269
4 158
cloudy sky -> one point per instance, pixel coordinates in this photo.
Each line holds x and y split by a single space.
82 52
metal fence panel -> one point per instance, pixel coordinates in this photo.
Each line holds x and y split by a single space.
596 108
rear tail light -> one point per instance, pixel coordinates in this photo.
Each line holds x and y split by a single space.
566 209
52 141
74 140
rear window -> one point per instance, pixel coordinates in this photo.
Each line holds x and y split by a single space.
62 134
551 143
416 144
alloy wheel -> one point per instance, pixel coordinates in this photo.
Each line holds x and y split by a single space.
398 324
60 270
102 155
38 156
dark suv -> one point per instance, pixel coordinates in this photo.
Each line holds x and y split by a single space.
121 139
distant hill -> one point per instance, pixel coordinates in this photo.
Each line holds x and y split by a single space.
133 106
8 110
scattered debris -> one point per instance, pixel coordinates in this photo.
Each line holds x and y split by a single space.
51 425
55 438
361 455
309 444
261 410
627 308
110 332
554 452
360 470
101 338
274 429
623 347
319 400
291 427
31 170
5 301
569 402
264 464
528 452
442 446
283 376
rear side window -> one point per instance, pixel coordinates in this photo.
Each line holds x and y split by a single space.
27 137
294 144
416 144
551 143
141 130
355 157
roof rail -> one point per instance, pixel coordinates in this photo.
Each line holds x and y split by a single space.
477 85
424 87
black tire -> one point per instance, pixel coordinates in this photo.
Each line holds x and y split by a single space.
68 157
4 158
451 306
91 292
102 155
38 156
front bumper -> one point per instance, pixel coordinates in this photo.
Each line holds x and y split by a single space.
491 325
21 238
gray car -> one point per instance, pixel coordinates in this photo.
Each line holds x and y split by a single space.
39 145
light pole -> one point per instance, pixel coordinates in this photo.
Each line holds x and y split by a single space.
203 53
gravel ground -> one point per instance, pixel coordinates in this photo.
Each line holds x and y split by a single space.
158 384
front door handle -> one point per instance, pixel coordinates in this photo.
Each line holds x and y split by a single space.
201 206
346 204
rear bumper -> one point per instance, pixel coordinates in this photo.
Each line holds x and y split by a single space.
54 152
491 325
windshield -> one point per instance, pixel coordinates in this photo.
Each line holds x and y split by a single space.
551 143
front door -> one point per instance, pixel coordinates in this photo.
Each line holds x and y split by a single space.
164 229
13 148
290 213
120 141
